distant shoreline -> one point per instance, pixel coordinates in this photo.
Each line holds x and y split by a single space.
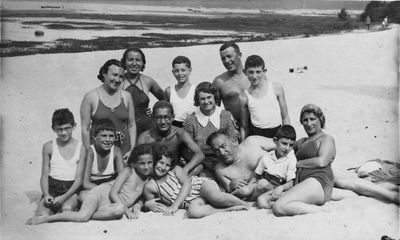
245 27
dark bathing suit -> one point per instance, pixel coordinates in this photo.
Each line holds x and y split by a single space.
120 117
141 102
323 175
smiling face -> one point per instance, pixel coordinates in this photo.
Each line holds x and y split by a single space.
163 118
163 166
224 148
113 77
206 103
181 72
311 123
134 62
144 165
230 58
104 139
255 75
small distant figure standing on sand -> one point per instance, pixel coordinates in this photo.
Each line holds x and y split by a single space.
385 22
181 95
139 86
231 83
368 22
62 167
264 101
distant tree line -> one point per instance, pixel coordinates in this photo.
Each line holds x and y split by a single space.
377 10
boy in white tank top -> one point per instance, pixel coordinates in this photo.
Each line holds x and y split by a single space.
63 162
104 159
263 104
181 95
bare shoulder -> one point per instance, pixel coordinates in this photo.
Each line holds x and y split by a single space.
125 94
149 81
145 137
220 79
48 147
327 138
91 96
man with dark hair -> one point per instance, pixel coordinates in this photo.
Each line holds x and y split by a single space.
174 138
231 83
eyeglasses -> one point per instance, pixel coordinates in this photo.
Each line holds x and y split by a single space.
66 129
162 117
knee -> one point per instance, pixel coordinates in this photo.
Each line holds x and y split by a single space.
262 202
67 208
118 211
263 186
279 209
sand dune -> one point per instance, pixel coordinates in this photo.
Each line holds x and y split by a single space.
353 77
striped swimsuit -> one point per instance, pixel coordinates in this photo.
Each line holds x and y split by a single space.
169 190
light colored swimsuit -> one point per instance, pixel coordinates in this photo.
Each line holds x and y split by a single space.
169 190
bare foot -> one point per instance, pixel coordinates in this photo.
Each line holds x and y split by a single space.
237 208
36 220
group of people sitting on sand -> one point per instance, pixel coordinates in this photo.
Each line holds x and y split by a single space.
189 151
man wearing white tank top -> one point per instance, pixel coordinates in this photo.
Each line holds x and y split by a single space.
264 101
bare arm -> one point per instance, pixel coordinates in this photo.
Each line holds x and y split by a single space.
326 154
117 186
86 114
131 121
44 179
118 162
150 192
156 90
244 116
224 181
198 155
280 94
87 184
183 193
168 94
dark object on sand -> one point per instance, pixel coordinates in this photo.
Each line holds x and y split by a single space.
298 69
39 33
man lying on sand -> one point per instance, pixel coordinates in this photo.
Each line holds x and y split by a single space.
235 170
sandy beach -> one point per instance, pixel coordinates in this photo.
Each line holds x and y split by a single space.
353 77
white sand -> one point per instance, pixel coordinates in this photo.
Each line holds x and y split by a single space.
352 77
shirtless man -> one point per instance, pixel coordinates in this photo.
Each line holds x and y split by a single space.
176 139
231 83
237 163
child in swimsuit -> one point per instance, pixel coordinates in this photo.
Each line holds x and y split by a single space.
181 95
263 103
104 159
62 167
112 200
